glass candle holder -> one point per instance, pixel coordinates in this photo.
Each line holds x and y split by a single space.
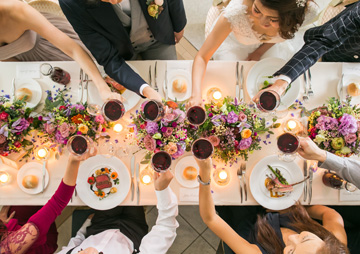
118 128
292 125
214 94
42 153
146 176
4 177
221 177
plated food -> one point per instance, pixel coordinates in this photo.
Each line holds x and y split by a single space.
29 178
30 181
353 89
190 173
102 182
186 171
179 85
23 94
115 86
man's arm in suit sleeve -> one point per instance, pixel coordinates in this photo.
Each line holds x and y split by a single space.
177 14
320 40
102 49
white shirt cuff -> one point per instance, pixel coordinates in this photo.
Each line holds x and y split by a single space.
165 198
142 88
283 77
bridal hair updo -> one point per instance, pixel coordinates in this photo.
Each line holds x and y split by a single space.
291 15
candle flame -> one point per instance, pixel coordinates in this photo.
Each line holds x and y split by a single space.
4 178
42 153
222 175
146 179
217 95
118 127
291 124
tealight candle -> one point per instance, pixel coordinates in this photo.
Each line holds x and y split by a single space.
217 95
42 153
146 176
291 124
146 179
4 177
221 176
214 94
118 128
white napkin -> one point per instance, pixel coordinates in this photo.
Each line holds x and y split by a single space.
176 65
351 68
189 195
28 70
349 196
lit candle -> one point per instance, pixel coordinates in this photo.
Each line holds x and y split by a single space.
118 128
4 177
42 153
291 124
217 95
146 176
146 179
222 175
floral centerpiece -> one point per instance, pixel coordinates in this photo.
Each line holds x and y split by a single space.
63 120
15 125
172 134
233 129
335 127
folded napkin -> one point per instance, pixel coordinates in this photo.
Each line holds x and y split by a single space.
183 65
189 195
28 70
351 68
349 196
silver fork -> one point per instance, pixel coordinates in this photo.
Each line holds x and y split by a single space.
310 92
305 96
244 178
239 174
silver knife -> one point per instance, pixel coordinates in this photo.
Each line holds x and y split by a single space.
305 183
244 180
132 168
156 88
138 183
341 87
237 91
86 86
241 95
166 86
13 88
311 172
150 79
81 88
43 176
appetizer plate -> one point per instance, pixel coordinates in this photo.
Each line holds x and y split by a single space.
347 80
179 169
181 75
32 85
291 172
131 98
88 167
267 67
32 168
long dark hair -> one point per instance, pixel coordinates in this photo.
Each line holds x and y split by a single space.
300 221
291 16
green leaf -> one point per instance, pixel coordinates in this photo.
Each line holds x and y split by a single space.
145 162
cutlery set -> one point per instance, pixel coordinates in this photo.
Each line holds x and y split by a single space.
155 86
308 174
133 172
83 87
239 82
241 173
308 92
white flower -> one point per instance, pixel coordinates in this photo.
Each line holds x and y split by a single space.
319 138
159 2
345 150
7 104
224 109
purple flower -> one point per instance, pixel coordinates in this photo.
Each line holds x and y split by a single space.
170 117
174 124
347 125
350 138
78 106
244 143
159 142
180 150
216 120
49 128
4 130
232 117
326 123
151 127
181 115
163 129
59 138
20 125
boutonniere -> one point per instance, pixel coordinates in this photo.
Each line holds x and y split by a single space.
155 7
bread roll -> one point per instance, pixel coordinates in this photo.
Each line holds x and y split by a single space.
23 94
30 182
353 89
190 173
179 85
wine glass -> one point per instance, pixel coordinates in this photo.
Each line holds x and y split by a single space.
196 115
153 110
161 161
288 144
113 110
267 103
56 74
332 180
79 145
202 148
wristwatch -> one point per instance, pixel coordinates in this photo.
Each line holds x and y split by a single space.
201 182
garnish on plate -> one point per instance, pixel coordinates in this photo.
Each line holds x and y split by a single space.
102 182
268 82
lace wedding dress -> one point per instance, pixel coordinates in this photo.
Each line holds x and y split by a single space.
243 39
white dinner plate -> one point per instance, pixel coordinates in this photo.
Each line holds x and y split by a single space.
179 169
267 67
32 168
88 167
291 172
32 85
347 80
131 98
179 74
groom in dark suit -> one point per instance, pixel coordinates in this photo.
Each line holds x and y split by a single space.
119 30
338 40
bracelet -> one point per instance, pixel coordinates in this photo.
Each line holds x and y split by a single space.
201 182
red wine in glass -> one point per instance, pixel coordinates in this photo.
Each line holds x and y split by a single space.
79 145
161 161
60 76
153 110
332 180
268 101
202 148
288 143
196 115
113 110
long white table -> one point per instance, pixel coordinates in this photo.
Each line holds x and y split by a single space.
325 77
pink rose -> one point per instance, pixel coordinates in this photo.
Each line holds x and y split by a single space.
215 141
149 143
168 132
171 148
242 117
2 139
72 129
64 130
170 117
99 119
350 138
49 128
4 116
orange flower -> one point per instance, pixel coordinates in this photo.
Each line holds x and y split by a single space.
107 170
246 133
114 175
77 119
172 104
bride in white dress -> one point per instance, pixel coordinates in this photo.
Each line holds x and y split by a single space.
254 27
